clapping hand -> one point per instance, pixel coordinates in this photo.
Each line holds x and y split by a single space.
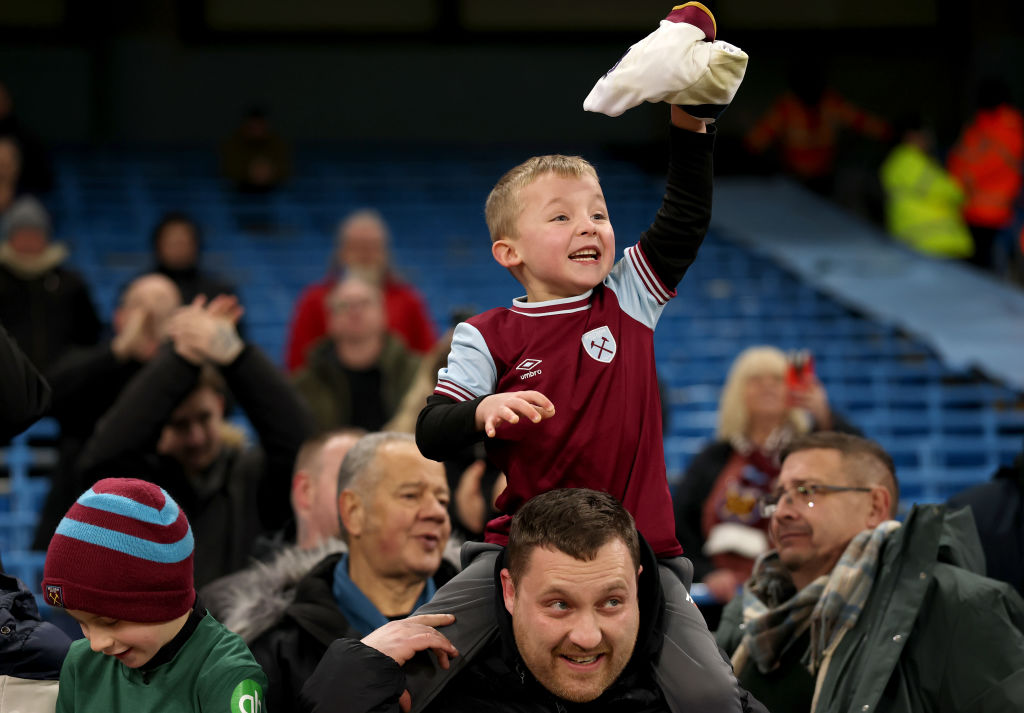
207 332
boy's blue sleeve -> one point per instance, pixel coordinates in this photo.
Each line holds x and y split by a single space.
447 424
640 292
470 372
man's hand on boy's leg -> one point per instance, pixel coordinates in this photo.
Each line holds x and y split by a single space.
680 63
509 406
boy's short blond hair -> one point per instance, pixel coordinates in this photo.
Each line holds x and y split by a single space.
503 205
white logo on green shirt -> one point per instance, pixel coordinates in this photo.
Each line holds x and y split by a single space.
247 697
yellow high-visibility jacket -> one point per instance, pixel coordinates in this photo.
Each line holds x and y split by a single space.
923 204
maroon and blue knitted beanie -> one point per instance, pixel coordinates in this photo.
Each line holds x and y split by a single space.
124 550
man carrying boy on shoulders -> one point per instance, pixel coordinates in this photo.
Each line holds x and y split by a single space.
581 341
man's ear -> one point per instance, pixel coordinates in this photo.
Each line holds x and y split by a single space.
508 590
504 251
881 502
120 317
302 488
352 512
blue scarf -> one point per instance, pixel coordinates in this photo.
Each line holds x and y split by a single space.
362 615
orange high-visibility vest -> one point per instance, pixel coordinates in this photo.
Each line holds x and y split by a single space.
808 135
987 160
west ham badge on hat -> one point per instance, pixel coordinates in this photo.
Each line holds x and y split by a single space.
55 595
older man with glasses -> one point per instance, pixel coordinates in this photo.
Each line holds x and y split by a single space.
853 611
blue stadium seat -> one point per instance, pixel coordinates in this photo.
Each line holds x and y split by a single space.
946 429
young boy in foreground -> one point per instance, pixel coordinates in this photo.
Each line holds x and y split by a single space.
563 385
120 563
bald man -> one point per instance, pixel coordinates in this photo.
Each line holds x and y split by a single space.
140 321
315 486
87 381
282 559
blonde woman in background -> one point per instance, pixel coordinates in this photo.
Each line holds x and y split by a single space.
759 414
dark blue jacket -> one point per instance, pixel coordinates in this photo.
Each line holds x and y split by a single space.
29 647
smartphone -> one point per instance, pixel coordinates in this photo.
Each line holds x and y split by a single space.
799 369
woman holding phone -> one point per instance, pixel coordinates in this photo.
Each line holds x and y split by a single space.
768 400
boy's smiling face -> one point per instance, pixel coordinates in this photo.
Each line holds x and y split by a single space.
132 643
564 243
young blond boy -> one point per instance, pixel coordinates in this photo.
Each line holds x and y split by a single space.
120 563
562 385
581 341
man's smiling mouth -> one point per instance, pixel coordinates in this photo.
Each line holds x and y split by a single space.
582 660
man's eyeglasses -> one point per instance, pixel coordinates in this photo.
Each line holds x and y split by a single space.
804 494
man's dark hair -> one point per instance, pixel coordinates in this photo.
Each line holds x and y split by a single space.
173 217
576 521
912 120
864 461
210 378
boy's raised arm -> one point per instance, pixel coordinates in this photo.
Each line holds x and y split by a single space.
671 242
682 64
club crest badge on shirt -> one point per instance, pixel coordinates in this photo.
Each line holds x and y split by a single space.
600 344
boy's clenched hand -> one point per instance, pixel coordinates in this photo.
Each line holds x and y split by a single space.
509 407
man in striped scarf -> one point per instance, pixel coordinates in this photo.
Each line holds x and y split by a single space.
854 611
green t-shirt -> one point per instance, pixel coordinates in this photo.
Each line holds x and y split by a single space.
213 672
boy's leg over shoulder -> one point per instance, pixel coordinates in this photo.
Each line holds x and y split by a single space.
692 671
470 596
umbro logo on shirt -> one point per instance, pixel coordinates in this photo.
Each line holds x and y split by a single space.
530 367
